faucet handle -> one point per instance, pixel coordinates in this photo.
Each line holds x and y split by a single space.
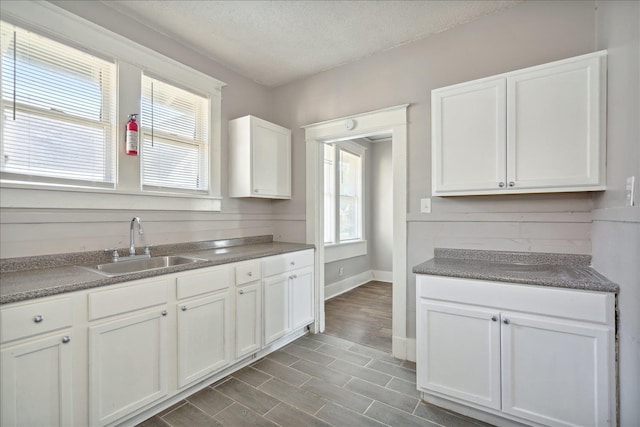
147 249
115 256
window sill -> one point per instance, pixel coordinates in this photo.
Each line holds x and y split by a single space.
340 251
45 197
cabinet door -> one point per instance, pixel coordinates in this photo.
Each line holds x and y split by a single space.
301 297
36 383
553 126
204 336
556 372
276 307
271 161
248 319
469 137
128 368
459 352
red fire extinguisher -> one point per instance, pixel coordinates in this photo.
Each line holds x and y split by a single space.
131 136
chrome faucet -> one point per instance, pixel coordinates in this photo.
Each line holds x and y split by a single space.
132 247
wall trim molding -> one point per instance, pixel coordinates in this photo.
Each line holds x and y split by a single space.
621 214
382 276
519 217
392 120
345 285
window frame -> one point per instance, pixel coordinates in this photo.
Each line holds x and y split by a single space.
343 249
131 61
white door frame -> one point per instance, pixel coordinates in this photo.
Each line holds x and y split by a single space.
391 120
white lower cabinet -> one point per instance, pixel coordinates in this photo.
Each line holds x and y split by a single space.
128 364
459 352
531 354
288 293
248 319
301 297
555 371
137 344
276 307
36 382
36 363
204 336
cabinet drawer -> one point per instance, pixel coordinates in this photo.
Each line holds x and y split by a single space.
287 262
247 272
542 300
128 298
35 318
204 282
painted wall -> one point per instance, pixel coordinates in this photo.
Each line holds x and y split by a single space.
616 228
527 34
381 207
39 231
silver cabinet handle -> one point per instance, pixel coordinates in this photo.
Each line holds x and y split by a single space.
494 318
256 190
164 312
183 308
66 339
295 276
293 263
249 274
501 184
241 291
38 319
505 321
512 184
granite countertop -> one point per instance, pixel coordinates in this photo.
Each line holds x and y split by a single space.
34 277
532 268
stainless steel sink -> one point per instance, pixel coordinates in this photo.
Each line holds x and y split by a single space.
135 266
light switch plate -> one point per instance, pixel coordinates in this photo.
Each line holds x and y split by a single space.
425 205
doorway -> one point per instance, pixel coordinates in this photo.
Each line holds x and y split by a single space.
392 121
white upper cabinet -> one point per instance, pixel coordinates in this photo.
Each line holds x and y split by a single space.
535 130
259 159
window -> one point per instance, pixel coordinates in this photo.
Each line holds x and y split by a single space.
174 136
58 112
66 149
343 192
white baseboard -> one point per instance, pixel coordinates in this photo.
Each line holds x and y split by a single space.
404 348
383 276
347 284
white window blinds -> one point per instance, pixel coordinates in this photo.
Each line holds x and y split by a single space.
58 112
174 137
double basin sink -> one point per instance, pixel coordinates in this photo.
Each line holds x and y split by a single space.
125 266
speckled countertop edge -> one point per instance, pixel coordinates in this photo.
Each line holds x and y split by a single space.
26 284
530 268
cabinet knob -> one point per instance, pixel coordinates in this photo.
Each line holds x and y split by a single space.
241 291
512 184
295 276
501 184
66 339
38 319
505 321
293 263
249 274
164 312
183 308
494 318
256 190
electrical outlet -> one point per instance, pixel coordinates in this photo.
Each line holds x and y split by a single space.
425 205
631 188
340 271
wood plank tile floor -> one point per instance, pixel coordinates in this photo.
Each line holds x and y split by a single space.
362 315
321 380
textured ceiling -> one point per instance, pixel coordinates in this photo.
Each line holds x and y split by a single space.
275 42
